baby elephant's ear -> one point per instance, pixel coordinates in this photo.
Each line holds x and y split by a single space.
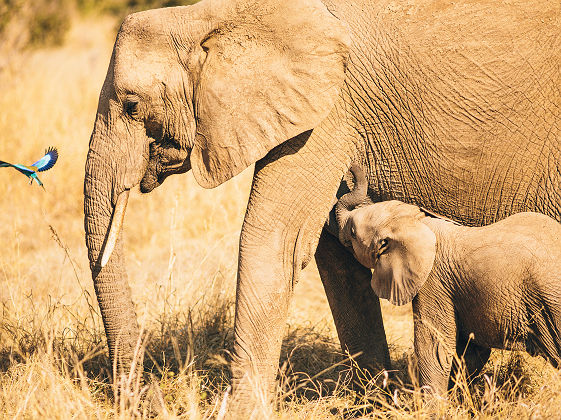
405 266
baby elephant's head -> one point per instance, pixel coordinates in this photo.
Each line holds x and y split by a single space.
390 238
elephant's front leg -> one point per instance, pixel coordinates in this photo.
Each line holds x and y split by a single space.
435 343
355 307
293 190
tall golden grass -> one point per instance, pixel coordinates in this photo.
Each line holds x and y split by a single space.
181 243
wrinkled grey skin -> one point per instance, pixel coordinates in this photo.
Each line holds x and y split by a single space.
453 107
499 283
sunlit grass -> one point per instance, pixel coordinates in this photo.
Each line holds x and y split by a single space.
181 243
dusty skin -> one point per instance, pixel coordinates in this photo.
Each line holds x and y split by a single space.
452 106
181 244
496 286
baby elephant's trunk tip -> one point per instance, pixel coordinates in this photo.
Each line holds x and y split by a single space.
349 201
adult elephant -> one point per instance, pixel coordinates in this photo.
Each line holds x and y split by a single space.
452 106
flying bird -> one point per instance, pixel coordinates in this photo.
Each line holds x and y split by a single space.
43 164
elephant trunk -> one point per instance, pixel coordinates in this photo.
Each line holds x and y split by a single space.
102 227
351 200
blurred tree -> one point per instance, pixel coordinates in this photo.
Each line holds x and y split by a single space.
41 23
124 7
49 22
7 9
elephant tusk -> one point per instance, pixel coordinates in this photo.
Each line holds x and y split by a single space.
115 228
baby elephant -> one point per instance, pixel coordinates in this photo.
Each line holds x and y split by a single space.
501 282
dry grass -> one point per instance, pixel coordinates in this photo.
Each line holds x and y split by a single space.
182 244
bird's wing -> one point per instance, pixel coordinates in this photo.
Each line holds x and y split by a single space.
47 161
23 169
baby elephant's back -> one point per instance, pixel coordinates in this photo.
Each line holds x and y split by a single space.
536 233
514 269
532 241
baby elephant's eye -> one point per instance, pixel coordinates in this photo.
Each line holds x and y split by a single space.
353 232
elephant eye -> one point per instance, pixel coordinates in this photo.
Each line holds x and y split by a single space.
383 246
131 108
353 232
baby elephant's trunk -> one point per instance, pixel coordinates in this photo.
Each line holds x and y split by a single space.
351 200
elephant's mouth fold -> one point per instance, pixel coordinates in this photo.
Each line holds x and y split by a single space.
163 162
157 172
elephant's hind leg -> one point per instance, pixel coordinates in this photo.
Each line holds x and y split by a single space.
355 307
545 327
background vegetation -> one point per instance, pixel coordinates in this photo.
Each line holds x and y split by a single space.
182 254
44 23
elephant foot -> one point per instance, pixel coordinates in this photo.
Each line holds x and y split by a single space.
366 403
248 401
355 412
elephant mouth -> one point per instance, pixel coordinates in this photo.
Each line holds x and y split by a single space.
157 172
148 183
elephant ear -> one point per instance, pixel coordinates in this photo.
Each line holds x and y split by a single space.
402 270
272 70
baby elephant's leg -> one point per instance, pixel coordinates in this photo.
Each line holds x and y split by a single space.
435 345
474 356
545 327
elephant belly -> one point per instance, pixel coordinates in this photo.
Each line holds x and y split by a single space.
494 321
512 327
493 336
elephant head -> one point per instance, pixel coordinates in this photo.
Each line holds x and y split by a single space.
211 87
390 238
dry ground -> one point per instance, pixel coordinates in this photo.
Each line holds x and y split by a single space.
181 245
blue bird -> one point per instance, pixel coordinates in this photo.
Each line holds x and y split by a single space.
43 164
